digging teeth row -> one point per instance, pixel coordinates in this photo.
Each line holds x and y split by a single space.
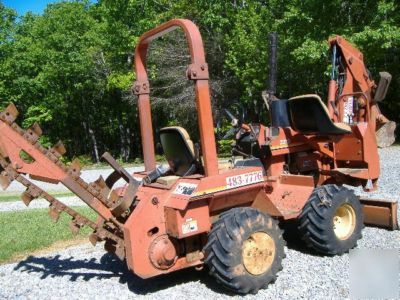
9 114
98 188
5 180
58 149
54 213
30 193
33 133
56 208
74 226
45 163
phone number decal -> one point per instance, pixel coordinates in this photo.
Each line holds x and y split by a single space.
244 179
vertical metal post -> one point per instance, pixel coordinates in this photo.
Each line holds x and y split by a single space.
332 87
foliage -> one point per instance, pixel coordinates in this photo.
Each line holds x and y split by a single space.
70 68
224 148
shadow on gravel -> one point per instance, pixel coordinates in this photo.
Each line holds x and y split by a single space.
292 237
110 266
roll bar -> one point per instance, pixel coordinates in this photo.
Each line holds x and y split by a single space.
197 71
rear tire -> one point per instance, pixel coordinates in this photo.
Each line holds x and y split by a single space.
332 220
245 249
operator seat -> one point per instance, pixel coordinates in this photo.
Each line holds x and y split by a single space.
309 115
179 151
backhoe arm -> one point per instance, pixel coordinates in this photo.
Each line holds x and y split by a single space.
353 95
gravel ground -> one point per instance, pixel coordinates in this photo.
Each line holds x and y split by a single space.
87 272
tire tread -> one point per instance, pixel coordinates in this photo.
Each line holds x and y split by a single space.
226 235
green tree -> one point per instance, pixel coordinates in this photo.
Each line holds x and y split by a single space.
7 27
54 74
71 67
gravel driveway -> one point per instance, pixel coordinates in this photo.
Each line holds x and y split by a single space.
87 175
86 272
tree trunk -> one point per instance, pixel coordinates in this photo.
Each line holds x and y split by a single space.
130 142
123 140
94 141
95 148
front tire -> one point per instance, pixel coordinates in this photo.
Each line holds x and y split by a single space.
332 220
245 249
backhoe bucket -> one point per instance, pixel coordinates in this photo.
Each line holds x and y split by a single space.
380 213
385 135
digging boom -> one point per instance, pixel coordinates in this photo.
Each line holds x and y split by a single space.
21 154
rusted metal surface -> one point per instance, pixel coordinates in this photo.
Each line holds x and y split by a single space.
141 232
191 221
162 252
290 193
380 212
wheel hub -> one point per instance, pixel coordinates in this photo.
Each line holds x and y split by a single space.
344 221
258 253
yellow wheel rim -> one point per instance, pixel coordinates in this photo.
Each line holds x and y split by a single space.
258 253
344 221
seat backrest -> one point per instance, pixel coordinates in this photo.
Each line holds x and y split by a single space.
309 115
178 150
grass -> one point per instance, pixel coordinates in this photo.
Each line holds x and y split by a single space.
13 196
87 163
101 166
23 232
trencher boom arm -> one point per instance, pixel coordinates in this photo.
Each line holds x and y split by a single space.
21 154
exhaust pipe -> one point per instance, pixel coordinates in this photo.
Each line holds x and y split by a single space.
277 107
273 65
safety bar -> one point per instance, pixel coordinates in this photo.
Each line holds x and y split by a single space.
197 71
